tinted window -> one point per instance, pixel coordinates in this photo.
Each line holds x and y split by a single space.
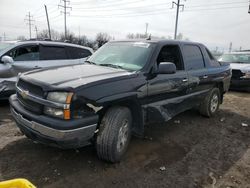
53 53
25 53
193 57
171 53
213 61
211 57
77 53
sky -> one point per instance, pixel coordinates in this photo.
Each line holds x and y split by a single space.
215 23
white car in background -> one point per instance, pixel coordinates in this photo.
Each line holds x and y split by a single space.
240 64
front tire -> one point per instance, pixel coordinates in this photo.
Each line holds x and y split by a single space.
114 134
211 103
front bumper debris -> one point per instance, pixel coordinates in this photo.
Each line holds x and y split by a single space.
41 132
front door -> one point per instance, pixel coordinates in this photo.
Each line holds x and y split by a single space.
167 92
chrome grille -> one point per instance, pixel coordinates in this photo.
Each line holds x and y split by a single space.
34 90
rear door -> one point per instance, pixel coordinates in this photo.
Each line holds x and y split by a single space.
197 72
167 92
55 55
77 53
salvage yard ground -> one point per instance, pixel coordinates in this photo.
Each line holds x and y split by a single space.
188 151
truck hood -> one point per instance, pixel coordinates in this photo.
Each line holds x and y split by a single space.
240 66
75 76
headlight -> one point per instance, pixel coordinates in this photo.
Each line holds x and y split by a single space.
59 97
246 75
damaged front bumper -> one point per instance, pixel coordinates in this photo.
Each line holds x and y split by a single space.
52 131
7 87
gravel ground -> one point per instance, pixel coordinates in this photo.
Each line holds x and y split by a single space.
188 151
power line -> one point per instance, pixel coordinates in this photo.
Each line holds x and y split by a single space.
151 12
111 4
29 20
65 15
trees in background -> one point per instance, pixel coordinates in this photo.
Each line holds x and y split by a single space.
100 39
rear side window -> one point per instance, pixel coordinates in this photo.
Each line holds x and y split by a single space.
193 57
213 61
25 53
53 53
77 53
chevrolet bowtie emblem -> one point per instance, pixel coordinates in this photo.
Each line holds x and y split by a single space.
24 93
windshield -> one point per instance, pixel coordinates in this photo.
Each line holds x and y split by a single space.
235 58
5 45
131 56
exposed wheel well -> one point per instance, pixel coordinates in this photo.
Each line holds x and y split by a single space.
136 111
221 88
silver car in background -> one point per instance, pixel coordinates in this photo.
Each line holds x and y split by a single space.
17 57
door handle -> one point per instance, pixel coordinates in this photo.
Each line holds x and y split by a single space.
185 80
205 77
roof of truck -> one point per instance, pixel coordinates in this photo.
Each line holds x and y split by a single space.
158 41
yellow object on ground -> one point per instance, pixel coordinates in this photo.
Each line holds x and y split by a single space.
16 183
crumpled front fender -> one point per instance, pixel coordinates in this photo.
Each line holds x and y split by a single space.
7 87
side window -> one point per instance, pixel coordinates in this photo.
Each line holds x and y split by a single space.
171 53
193 57
77 53
53 53
25 53
213 61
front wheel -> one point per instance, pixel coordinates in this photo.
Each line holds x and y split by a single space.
114 134
211 103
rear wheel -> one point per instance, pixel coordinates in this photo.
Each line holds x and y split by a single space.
211 103
114 134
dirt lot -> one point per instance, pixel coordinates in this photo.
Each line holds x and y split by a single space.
188 151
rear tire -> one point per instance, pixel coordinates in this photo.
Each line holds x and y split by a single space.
114 134
211 103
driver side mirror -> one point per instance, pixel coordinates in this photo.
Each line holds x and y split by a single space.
166 68
7 59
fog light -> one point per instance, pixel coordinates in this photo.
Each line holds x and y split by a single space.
54 112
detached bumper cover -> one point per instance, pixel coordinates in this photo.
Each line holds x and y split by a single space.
41 132
7 88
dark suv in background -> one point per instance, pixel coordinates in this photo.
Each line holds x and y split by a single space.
28 55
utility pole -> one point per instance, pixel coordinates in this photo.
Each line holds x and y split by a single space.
47 16
4 36
29 22
79 36
146 33
230 46
177 15
65 15
36 32
249 8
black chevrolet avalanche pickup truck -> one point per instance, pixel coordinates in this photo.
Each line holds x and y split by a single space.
121 87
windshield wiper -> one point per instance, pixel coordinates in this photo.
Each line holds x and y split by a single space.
111 65
90 62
